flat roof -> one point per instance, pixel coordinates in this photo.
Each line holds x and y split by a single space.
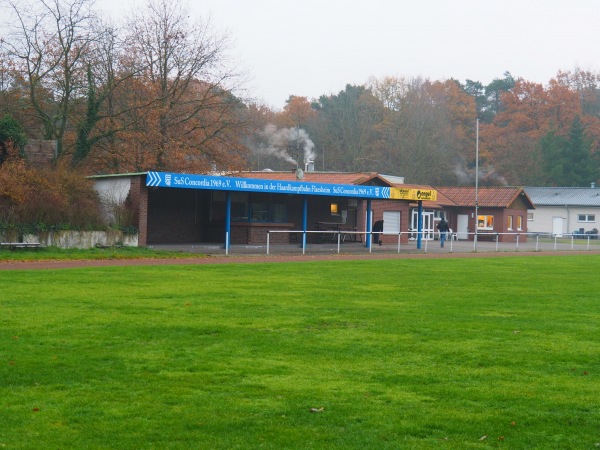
564 196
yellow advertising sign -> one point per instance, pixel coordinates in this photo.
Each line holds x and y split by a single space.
413 194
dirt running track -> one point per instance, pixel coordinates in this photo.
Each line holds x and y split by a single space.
35 265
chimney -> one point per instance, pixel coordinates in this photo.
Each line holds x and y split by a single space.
593 185
309 166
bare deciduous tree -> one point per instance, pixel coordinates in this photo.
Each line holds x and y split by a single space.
191 83
47 43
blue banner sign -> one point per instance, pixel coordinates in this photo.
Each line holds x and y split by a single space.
186 181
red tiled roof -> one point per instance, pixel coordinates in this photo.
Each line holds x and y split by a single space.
316 177
442 200
500 197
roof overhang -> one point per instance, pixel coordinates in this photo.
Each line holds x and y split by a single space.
240 184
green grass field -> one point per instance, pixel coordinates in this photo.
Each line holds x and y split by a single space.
382 354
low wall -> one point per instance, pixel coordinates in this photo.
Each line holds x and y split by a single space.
75 239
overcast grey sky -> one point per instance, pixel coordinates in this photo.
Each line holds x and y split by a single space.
315 47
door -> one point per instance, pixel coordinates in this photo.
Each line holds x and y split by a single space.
462 226
428 231
557 226
427 224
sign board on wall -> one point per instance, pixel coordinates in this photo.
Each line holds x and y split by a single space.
414 194
188 181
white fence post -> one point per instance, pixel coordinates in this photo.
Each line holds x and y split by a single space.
303 242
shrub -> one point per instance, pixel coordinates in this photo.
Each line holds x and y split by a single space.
12 138
46 199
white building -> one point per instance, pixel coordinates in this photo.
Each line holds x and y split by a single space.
564 210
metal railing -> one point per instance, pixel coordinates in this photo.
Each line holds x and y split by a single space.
469 242
408 242
548 241
337 236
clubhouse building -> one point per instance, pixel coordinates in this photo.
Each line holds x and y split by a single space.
299 207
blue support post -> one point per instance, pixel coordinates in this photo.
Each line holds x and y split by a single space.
304 220
420 225
369 224
227 221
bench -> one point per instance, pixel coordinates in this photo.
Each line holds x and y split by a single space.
332 229
487 237
15 245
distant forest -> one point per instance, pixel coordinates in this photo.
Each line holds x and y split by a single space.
159 93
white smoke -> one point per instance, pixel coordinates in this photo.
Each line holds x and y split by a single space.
290 144
487 175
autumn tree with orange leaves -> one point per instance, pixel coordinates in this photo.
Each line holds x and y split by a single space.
160 94
192 121
159 97
427 130
47 46
519 143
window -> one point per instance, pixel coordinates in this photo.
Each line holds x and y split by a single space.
510 222
278 213
244 209
265 212
485 222
335 209
239 206
259 212
519 223
529 217
586 218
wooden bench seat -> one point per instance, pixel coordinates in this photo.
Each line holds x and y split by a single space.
487 237
15 245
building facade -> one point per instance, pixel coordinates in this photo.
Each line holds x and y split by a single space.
564 210
241 208
501 211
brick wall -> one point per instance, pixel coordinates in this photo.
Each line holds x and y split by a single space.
138 194
40 153
186 216
172 216
256 233
378 207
